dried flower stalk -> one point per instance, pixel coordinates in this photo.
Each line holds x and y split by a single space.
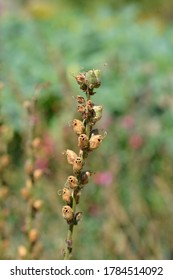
6 134
31 250
88 139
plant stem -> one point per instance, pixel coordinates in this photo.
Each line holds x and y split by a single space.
83 155
69 240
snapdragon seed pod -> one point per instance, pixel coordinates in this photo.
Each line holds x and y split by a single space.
77 165
78 217
78 126
67 213
80 78
98 113
93 78
89 105
71 156
22 251
85 176
80 99
66 195
81 108
97 75
33 235
95 141
72 182
83 141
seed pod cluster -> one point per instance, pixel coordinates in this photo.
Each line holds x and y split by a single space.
88 139
89 80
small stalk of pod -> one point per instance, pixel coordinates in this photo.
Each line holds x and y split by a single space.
88 140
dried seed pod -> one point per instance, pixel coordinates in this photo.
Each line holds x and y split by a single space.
81 108
36 143
95 141
98 113
4 191
98 76
22 251
80 78
37 173
78 126
77 165
93 78
78 217
83 141
72 182
4 161
66 195
29 167
84 177
80 99
67 213
33 235
26 193
89 105
37 204
71 156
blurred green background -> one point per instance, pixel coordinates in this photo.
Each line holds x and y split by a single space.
128 205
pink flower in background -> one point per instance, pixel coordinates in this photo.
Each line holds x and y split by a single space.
136 141
104 178
41 163
128 122
94 210
49 145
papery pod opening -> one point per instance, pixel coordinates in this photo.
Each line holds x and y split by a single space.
67 213
95 141
83 141
72 182
78 126
71 156
77 165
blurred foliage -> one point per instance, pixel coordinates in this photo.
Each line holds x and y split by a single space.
128 205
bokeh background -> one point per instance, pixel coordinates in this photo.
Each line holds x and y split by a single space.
128 205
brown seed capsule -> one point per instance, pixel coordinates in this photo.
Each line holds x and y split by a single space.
72 182
78 126
26 193
78 217
37 204
80 99
89 105
71 156
4 161
37 173
66 195
95 141
85 176
67 213
36 143
77 165
33 235
80 78
93 78
81 108
98 113
22 251
29 168
4 192
83 141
